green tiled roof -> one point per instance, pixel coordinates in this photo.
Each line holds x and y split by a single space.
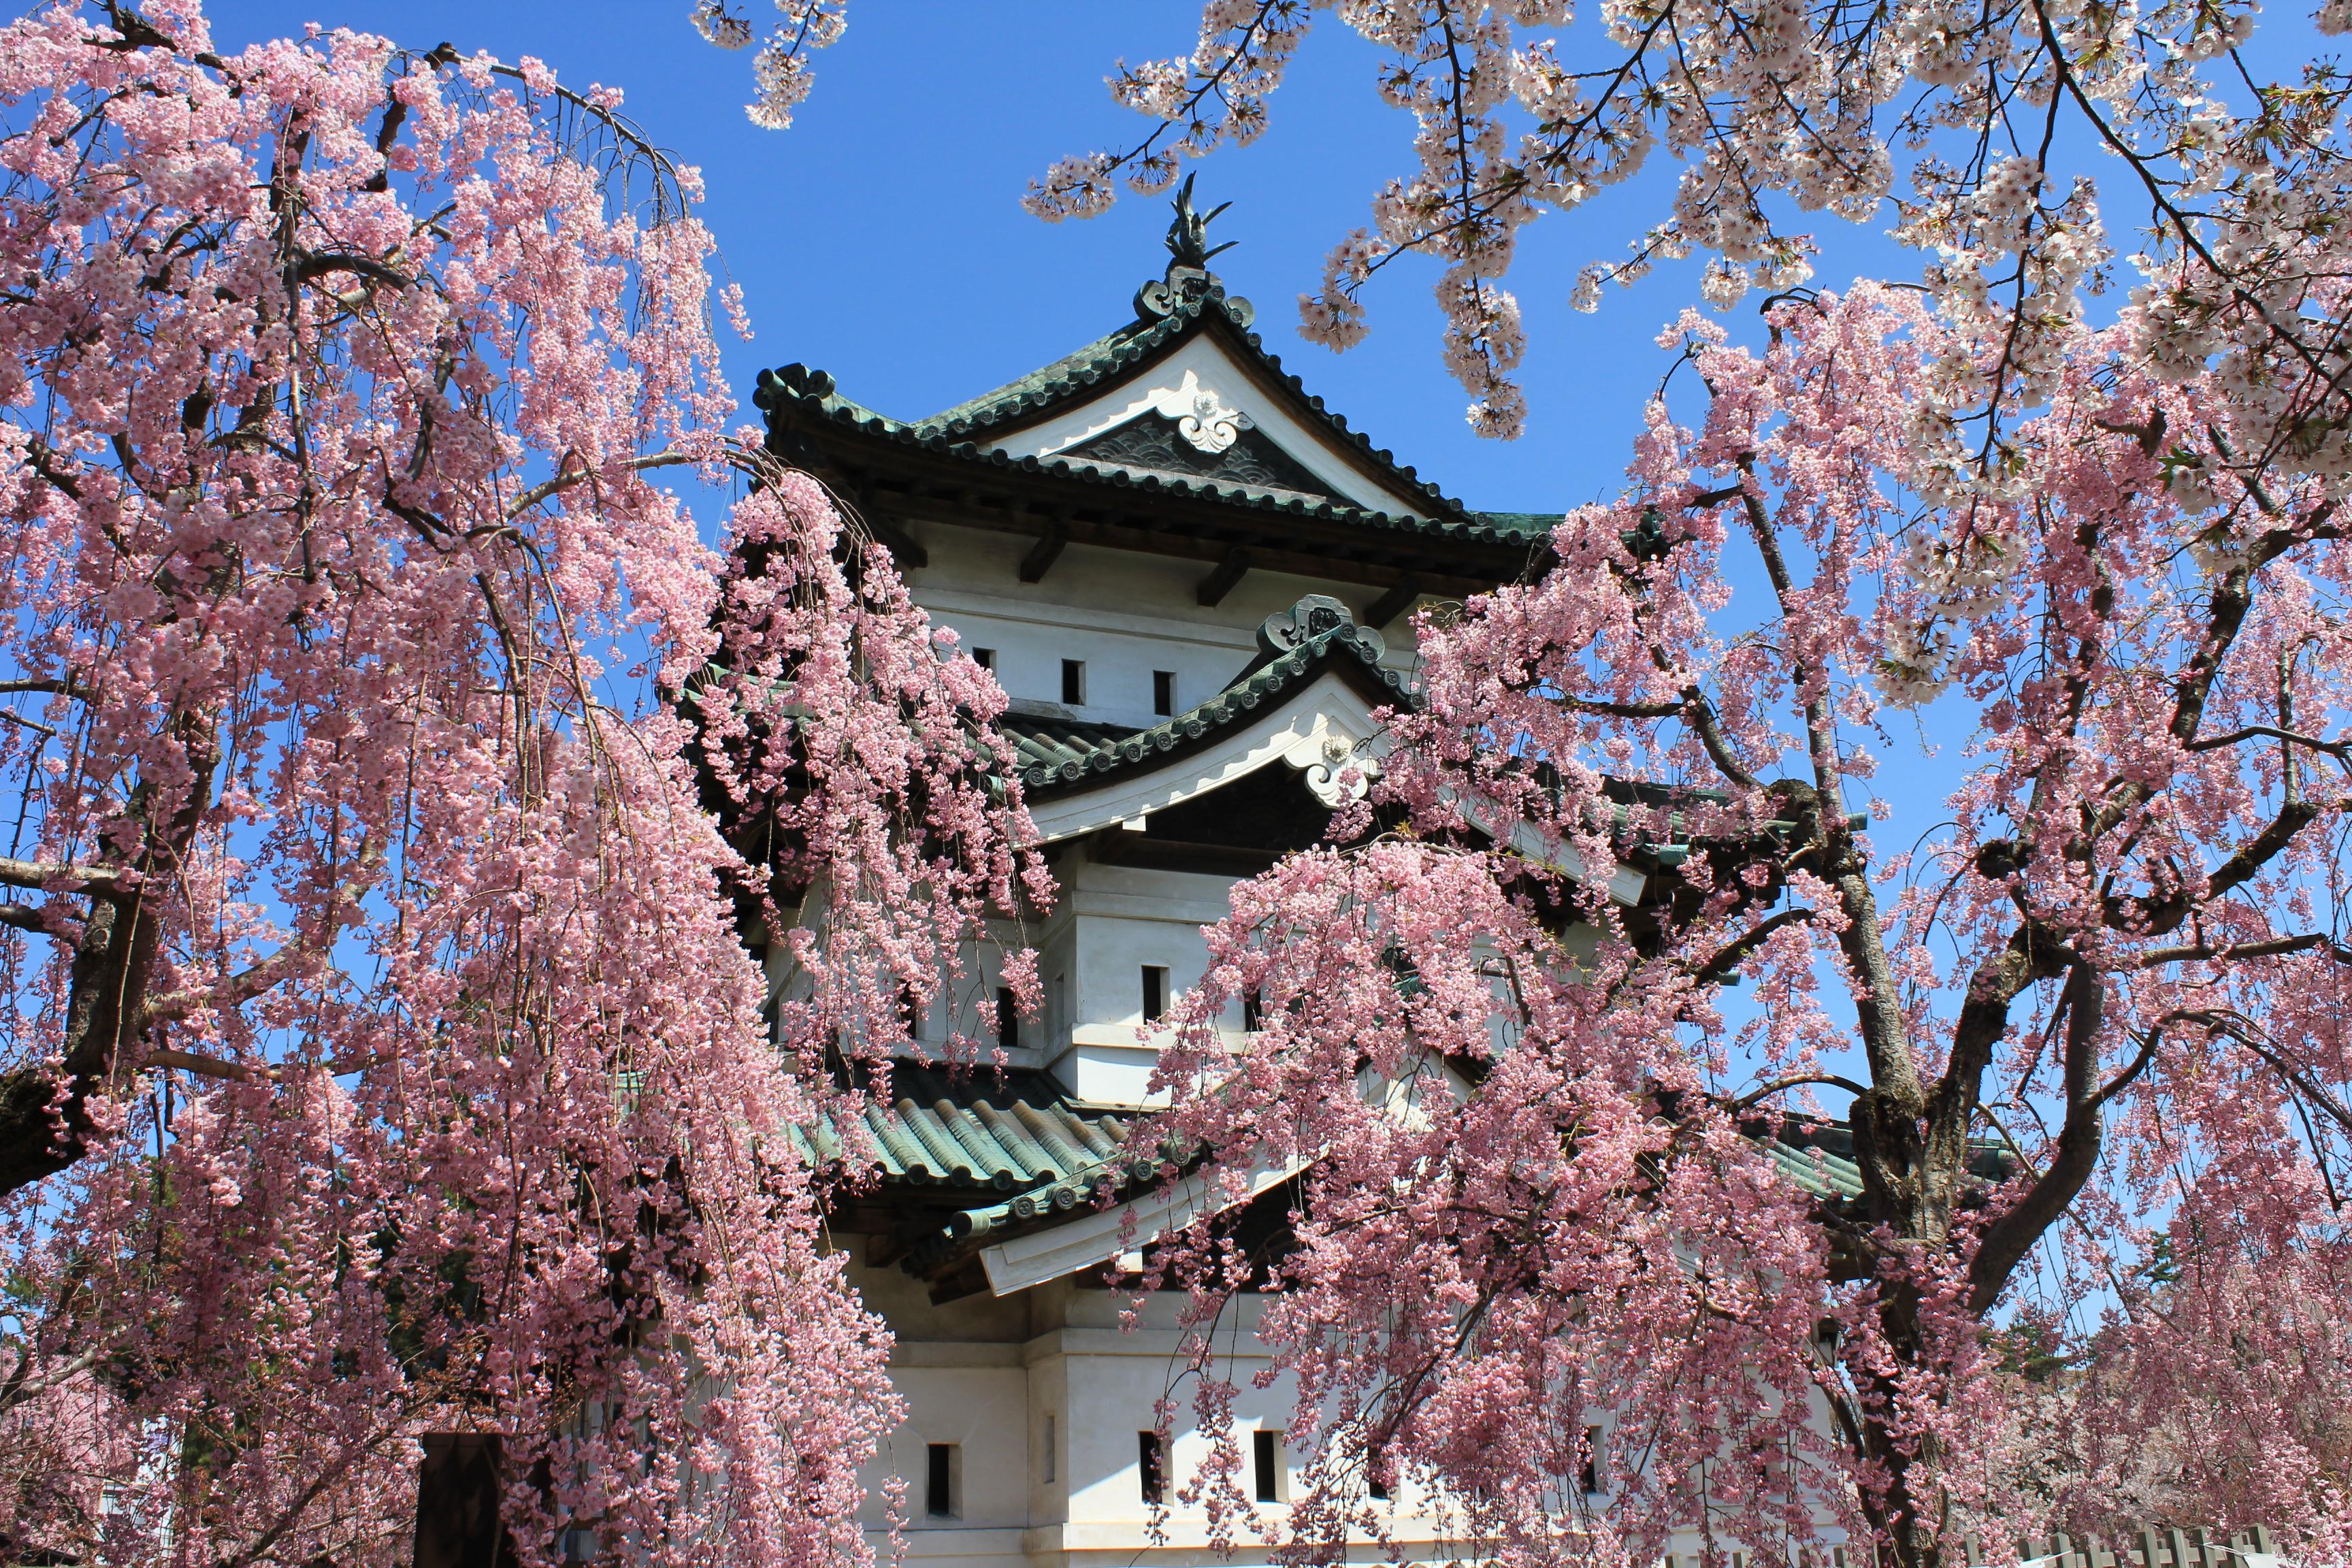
1025 1137
962 432
1815 1169
1528 526
1075 376
1051 384
1056 753
975 1128
1468 527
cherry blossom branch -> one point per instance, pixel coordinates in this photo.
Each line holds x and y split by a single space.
1733 954
2268 731
1783 1085
98 881
573 475
2268 948
20 1388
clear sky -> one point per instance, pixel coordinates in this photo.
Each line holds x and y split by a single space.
881 237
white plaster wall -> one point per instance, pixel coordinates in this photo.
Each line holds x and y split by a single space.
986 1373
1125 613
1122 919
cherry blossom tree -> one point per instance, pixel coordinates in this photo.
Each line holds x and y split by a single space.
2077 995
1980 135
383 1054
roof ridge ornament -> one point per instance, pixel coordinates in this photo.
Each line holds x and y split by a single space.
1188 279
1311 617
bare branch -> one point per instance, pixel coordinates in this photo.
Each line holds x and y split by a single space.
61 876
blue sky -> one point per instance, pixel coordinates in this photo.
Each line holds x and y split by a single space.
881 237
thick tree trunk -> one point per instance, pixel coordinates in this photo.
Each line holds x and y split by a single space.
45 1123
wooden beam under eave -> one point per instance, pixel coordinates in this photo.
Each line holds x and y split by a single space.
888 531
1043 553
1394 602
1230 570
899 542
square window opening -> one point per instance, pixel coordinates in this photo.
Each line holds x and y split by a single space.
1163 693
1265 1463
1151 1467
1155 993
1074 682
943 1471
985 658
1008 1018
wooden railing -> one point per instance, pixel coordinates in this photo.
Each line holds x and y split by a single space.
2148 1547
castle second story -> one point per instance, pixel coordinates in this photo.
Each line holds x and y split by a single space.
1195 583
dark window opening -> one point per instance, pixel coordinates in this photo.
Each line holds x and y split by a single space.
1151 1467
1376 1479
1155 993
1253 1012
1008 1018
1074 681
938 1481
1163 692
1266 1456
911 1011
1588 1478
985 658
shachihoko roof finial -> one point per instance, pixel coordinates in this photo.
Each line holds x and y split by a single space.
1188 236
1188 281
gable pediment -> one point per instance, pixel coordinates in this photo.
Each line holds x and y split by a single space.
1220 451
1200 412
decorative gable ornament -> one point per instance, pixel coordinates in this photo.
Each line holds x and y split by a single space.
1336 765
1201 416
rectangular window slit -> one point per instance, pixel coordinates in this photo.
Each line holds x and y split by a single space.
1590 1477
985 658
1266 1456
1253 1013
1163 692
1008 1018
1155 993
939 1480
1074 682
1151 1467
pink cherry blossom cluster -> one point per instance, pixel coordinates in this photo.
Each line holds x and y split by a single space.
780 72
1944 119
397 775
2081 1027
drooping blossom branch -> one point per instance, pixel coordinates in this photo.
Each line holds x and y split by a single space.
2080 1029
384 1053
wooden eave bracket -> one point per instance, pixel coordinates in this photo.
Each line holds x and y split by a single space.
1045 552
1394 602
1229 571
